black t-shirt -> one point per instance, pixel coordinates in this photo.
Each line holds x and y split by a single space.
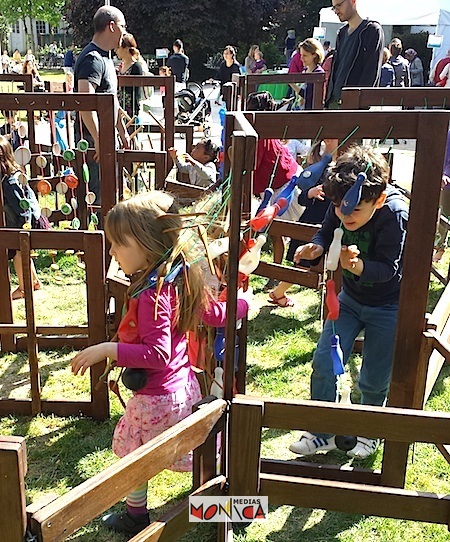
94 65
178 63
226 72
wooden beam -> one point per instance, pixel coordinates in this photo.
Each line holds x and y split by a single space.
304 469
244 446
400 424
356 498
80 505
175 523
13 467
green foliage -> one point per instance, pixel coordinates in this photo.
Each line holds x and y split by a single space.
205 26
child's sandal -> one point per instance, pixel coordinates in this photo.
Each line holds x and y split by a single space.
17 294
282 301
437 256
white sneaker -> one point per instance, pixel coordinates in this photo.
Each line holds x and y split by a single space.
310 444
364 447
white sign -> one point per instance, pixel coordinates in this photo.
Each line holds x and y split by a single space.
162 53
221 509
319 32
434 41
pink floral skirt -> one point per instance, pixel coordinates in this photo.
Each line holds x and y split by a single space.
147 416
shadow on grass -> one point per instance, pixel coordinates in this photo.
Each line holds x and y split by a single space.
12 378
329 528
266 323
71 442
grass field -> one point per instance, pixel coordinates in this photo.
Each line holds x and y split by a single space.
64 452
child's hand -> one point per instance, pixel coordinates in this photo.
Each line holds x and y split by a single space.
92 355
316 192
173 152
310 251
188 158
350 261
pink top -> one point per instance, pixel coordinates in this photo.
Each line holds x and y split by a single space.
267 152
296 64
162 349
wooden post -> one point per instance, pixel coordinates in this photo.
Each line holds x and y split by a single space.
245 446
13 467
94 256
35 381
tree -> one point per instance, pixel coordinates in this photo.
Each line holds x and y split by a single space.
5 29
26 10
205 26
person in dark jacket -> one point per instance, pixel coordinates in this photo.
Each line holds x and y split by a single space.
400 64
359 52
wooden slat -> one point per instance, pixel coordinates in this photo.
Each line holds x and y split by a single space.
360 98
238 164
322 471
175 523
94 257
356 498
12 488
294 275
83 503
35 383
402 425
244 446
339 124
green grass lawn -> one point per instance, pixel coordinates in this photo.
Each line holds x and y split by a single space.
63 452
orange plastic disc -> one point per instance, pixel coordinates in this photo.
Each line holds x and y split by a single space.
44 187
71 180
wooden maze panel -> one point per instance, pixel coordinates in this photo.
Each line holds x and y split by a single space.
408 372
103 104
54 336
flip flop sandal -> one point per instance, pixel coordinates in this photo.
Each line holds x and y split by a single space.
17 294
438 255
282 301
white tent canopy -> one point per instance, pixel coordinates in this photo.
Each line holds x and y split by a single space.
404 12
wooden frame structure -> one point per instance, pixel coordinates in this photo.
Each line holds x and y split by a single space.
355 490
56 520
102 103
410 366
45 336
425 97
249 83
169 112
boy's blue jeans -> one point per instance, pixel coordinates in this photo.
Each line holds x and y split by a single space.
379 324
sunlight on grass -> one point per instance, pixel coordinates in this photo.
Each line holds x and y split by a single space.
64 452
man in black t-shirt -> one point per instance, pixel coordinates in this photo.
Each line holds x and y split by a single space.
94 70
359 53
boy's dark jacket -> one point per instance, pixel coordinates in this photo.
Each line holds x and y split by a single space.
381 243
366 66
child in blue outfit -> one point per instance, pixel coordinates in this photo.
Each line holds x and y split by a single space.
371 261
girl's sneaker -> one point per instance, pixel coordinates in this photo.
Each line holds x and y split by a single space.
127 523
310 444
364 447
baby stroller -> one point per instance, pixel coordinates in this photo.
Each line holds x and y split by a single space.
193 107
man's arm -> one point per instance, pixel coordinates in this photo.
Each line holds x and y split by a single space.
374 50
90 118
